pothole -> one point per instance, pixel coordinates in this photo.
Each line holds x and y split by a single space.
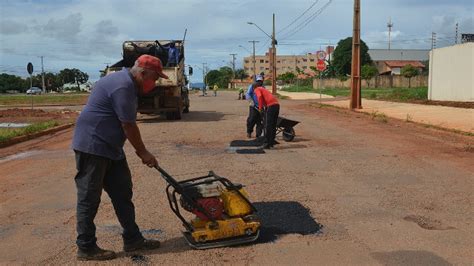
427 223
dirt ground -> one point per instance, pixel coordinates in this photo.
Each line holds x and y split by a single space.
17 115
347 190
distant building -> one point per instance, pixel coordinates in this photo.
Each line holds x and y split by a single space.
391 61
284 64
394 67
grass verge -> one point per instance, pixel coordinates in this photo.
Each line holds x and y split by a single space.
387 94
9 133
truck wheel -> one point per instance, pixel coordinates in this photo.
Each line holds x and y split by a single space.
173 116
170 116
177 115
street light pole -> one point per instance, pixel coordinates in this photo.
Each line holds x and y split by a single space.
254 68
272 54
233 70
274 70
356 102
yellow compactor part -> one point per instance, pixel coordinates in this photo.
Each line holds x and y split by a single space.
221 229
235 226
234 205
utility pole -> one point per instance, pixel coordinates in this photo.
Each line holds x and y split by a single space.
42 74
204 79
355 70
274 68
433 40
389 25
457 33
254 69
233 70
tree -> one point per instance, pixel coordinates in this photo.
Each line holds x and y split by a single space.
73 76
12 82
409 71
342 56
287 77
368 72
426 69
220 77
240 74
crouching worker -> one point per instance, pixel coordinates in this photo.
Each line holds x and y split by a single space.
107 120
254 119
270 103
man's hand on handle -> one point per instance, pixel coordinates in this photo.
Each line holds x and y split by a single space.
147 158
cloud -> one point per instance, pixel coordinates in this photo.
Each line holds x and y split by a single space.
104 40
63 29
10 27
106 28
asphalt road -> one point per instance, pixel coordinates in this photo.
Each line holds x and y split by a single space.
347 190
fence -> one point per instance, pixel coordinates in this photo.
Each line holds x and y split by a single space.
377 82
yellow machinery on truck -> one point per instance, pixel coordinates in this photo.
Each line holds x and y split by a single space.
170 96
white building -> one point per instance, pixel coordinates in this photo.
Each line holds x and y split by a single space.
452 73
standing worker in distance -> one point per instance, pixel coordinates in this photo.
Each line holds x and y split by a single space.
215 88
107 120
270 103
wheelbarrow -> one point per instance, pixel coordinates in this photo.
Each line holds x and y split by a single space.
285 126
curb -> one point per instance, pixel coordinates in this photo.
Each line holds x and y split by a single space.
426 125
48 131
40 105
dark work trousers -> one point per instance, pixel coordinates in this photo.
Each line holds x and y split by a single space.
95 173
254 119
271 123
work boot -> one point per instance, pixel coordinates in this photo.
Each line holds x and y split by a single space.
267 146
142 244
95 253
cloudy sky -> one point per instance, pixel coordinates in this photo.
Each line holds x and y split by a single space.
88 34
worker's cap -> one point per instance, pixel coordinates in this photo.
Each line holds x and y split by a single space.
259 78
151 63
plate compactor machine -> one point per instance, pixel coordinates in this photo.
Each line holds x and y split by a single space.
224 216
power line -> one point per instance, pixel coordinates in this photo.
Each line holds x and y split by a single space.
307 21
296 19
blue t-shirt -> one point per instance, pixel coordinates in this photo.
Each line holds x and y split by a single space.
251 94
99 131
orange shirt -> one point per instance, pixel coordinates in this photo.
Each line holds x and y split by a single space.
264 98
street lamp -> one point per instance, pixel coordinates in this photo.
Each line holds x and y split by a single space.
273 60
245 48
251 23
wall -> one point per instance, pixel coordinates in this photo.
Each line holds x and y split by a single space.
377 82
451 73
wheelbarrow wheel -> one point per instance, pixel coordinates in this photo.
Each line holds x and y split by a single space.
288 134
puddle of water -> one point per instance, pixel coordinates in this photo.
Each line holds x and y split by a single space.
152 232
138 258
111 228
14 125
21 155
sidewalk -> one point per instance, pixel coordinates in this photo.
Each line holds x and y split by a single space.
441 116
304 95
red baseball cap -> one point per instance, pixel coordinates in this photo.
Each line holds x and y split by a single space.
152 63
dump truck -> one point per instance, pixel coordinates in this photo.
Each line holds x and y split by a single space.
170 96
